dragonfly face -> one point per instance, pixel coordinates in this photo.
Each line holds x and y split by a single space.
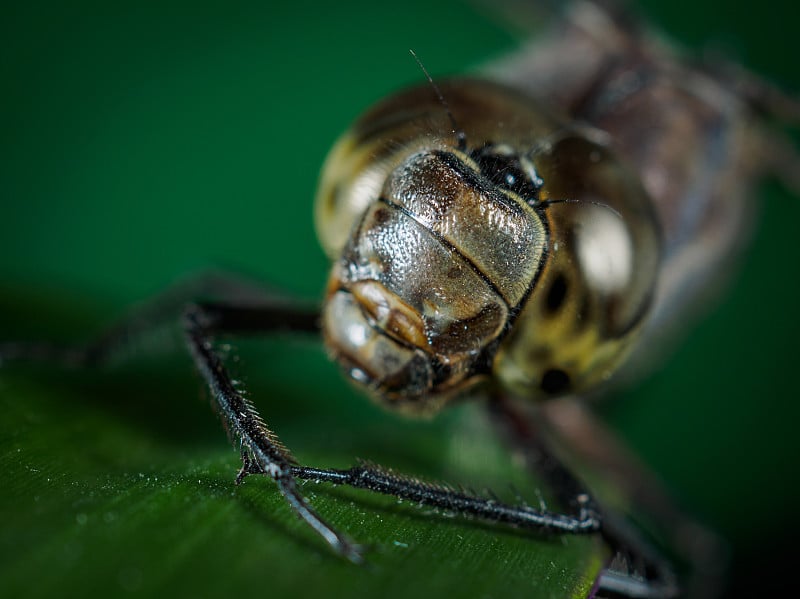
422 295
526 257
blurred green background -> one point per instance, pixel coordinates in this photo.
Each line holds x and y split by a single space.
140 141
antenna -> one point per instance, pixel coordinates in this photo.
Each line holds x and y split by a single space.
461 137
547 203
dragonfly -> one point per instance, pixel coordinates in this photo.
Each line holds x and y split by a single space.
522 185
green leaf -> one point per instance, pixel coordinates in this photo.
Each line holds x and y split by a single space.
113 482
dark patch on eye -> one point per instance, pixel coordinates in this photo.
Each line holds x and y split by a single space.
556 294
554 381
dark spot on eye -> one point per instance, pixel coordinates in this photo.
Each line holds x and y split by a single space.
556 294
554 381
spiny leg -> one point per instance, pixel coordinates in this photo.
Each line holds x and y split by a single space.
263 452
702 551
376 478
152 316
518 428
652 576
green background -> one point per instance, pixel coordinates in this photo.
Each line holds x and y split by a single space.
142 141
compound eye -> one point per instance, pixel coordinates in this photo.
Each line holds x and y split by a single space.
557 294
